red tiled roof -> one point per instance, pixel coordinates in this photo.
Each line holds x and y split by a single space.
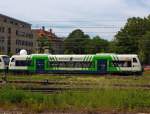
48 34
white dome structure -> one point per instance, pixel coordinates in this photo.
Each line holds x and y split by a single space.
23 52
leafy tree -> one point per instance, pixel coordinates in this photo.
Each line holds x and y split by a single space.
144 46
76 42
112 46
127 39
97 45
43 43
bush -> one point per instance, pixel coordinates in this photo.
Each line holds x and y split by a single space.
129 99
11 95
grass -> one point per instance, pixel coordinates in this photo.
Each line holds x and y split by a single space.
102 97
123 100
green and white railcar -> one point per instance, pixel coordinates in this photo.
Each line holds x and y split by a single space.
4 62
98 63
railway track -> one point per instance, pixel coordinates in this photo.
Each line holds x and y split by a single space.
49 86
50 90
47 82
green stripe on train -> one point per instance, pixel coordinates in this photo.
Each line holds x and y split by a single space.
91 58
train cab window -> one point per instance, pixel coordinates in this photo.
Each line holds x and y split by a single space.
13 60
0 60
134 60
6 60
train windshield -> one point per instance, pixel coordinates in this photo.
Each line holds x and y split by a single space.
6 60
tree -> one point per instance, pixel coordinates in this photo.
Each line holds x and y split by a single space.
76 42
44 43
97 45
127 39
144 46
112 46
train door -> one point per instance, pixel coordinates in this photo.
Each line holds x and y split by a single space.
40 65
102 66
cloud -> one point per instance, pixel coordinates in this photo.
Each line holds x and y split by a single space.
77 13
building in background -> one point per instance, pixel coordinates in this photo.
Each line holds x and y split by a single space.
55 42
15 35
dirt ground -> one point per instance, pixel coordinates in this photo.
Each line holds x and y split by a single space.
17 111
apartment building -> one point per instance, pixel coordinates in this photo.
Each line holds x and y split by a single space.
55 42
15 35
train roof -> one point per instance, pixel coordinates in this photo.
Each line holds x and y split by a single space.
4 55
127 55
20 56
77 55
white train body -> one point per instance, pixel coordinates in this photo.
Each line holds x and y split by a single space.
96 63
131 63
4 62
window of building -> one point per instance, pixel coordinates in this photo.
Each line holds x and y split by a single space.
3 49
21 25
3 29
9 30
8 42
5 20
16 32
16 42
23 42
2 39
20 33
9 37
11 22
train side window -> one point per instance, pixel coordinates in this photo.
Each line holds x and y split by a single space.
29 62
0 60
127 64
68 64
134 60
21 63
77 65
120 63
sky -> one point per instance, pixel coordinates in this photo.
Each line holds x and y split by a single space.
94 17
